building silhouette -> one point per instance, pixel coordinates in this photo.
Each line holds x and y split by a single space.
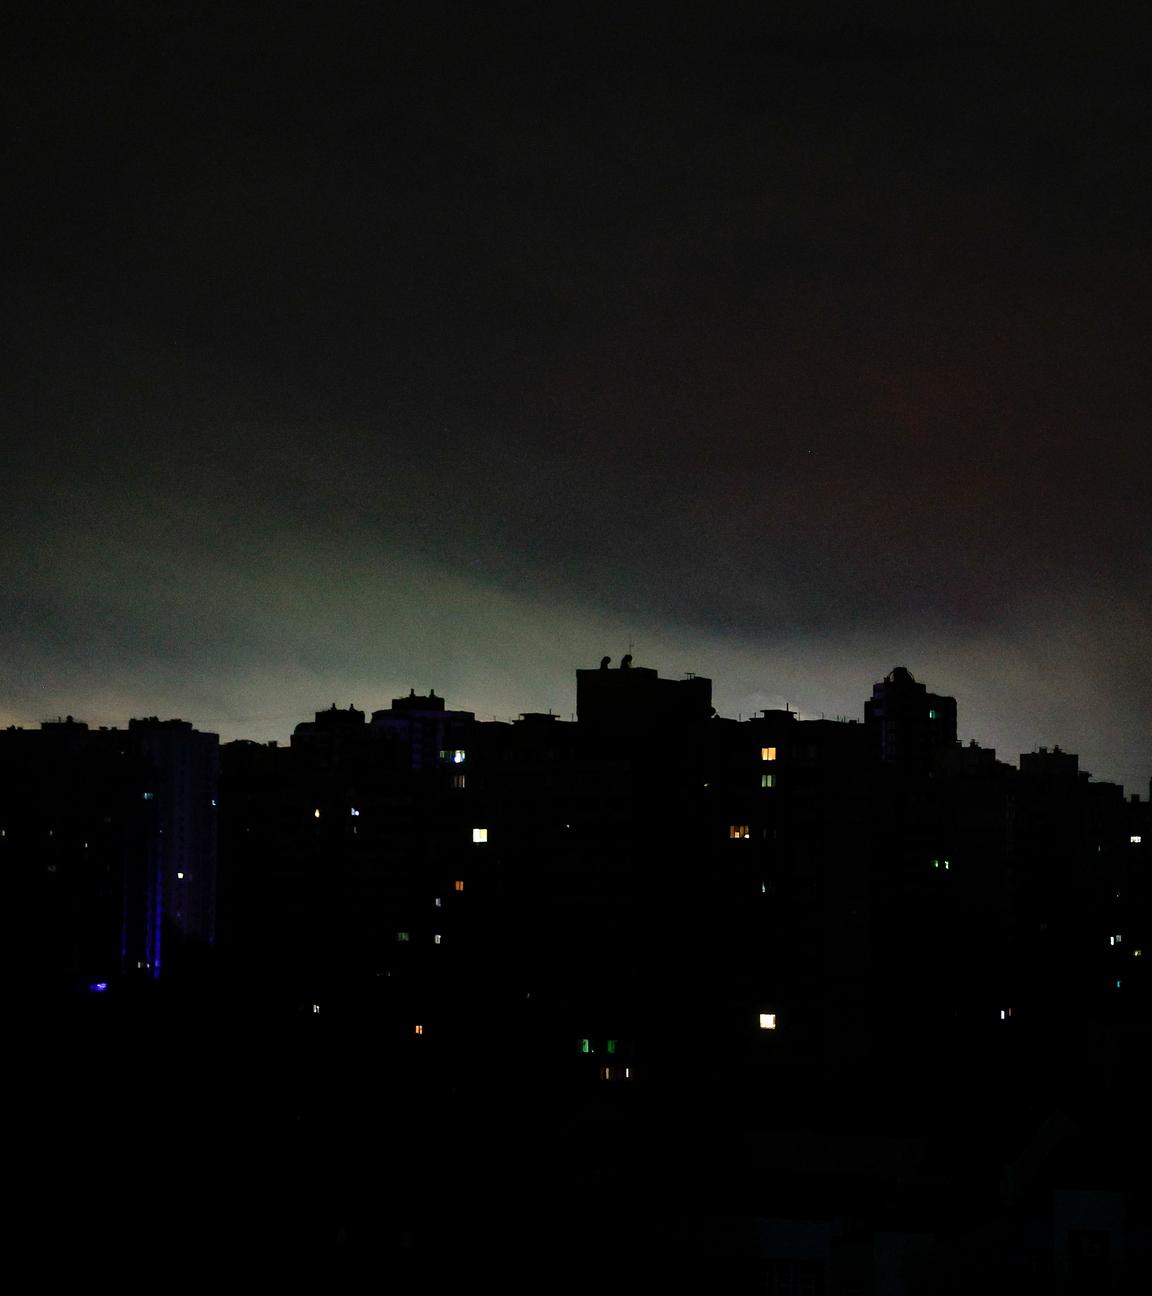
841 1004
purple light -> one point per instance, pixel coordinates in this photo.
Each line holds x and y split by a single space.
98 987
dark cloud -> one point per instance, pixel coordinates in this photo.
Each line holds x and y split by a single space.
351 344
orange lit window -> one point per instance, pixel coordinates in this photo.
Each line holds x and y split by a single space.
767 753
419 1030
739 832
459 885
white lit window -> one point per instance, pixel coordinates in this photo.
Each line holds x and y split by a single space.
739 832
439 903
767 1021
436 938
180 875
1135 839
355 812
316 813
315 1008
148 796
456 756
479 834
458 781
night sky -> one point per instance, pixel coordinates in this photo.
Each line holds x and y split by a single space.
355 348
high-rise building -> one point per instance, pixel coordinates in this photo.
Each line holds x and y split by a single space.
910 724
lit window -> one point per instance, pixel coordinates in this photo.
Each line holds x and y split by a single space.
605 1073
585 1046
355 812
768 780
455 756
458 780
767 1021
401 936
419 1030
316 813
933 715
1116 939
315 1008
1135 839
739 832
439 903
1137 953
1005 1013
180 876
148 796
611 1046
479 834
767 753
459 885
436 938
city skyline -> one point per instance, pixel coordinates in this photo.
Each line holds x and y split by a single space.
278 726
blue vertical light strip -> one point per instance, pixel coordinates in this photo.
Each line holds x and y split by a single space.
123 916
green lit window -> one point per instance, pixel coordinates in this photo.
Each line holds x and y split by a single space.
768 780
933 715
585 1046
611 1046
